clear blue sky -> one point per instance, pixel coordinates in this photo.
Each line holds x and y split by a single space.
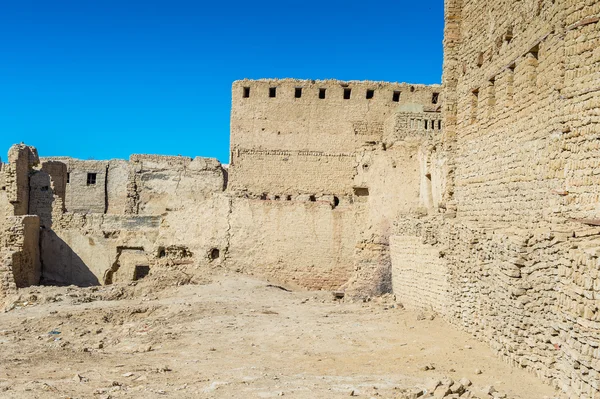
103 79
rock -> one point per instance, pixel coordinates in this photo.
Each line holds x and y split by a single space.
432 385
488 390
427 367
414 393
442 391
457 387
477 371
465 382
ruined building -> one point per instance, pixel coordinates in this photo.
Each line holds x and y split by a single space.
477 199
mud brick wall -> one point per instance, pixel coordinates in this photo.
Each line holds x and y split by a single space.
420 276
300 136
300 242
532 294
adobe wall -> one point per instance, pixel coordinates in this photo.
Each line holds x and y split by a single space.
307 145
512 257
156 206
299 242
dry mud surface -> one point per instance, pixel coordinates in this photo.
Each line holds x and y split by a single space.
234 337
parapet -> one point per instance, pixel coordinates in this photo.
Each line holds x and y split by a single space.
333 91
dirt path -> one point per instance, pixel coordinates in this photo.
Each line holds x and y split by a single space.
234 338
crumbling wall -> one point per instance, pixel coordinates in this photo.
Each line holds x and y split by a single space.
164 184
19 251
81 248
179 204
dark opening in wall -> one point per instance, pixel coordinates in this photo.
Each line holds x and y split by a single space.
272 92
361 191
288 198
162 252
214 253
412 89
263 196
322 93
426 124
396 96
435 98
370 94
535 51
474 105
140 272
91 179
246 93
312 198
347 93
298 92
68 178
439 125
479 60
336 201
277 198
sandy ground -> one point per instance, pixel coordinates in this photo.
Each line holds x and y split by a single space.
233 337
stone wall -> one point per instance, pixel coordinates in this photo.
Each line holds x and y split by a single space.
511 257
530 293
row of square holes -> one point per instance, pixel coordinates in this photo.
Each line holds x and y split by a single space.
347 94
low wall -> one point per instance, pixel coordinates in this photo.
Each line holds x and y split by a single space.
419 274
531 293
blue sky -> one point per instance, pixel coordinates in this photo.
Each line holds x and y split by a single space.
107 78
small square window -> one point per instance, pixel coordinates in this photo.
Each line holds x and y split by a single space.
91 179
322 93
298 92
273 92
246 92
347 93
396 96
370 94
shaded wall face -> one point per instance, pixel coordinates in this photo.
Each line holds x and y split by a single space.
83 253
